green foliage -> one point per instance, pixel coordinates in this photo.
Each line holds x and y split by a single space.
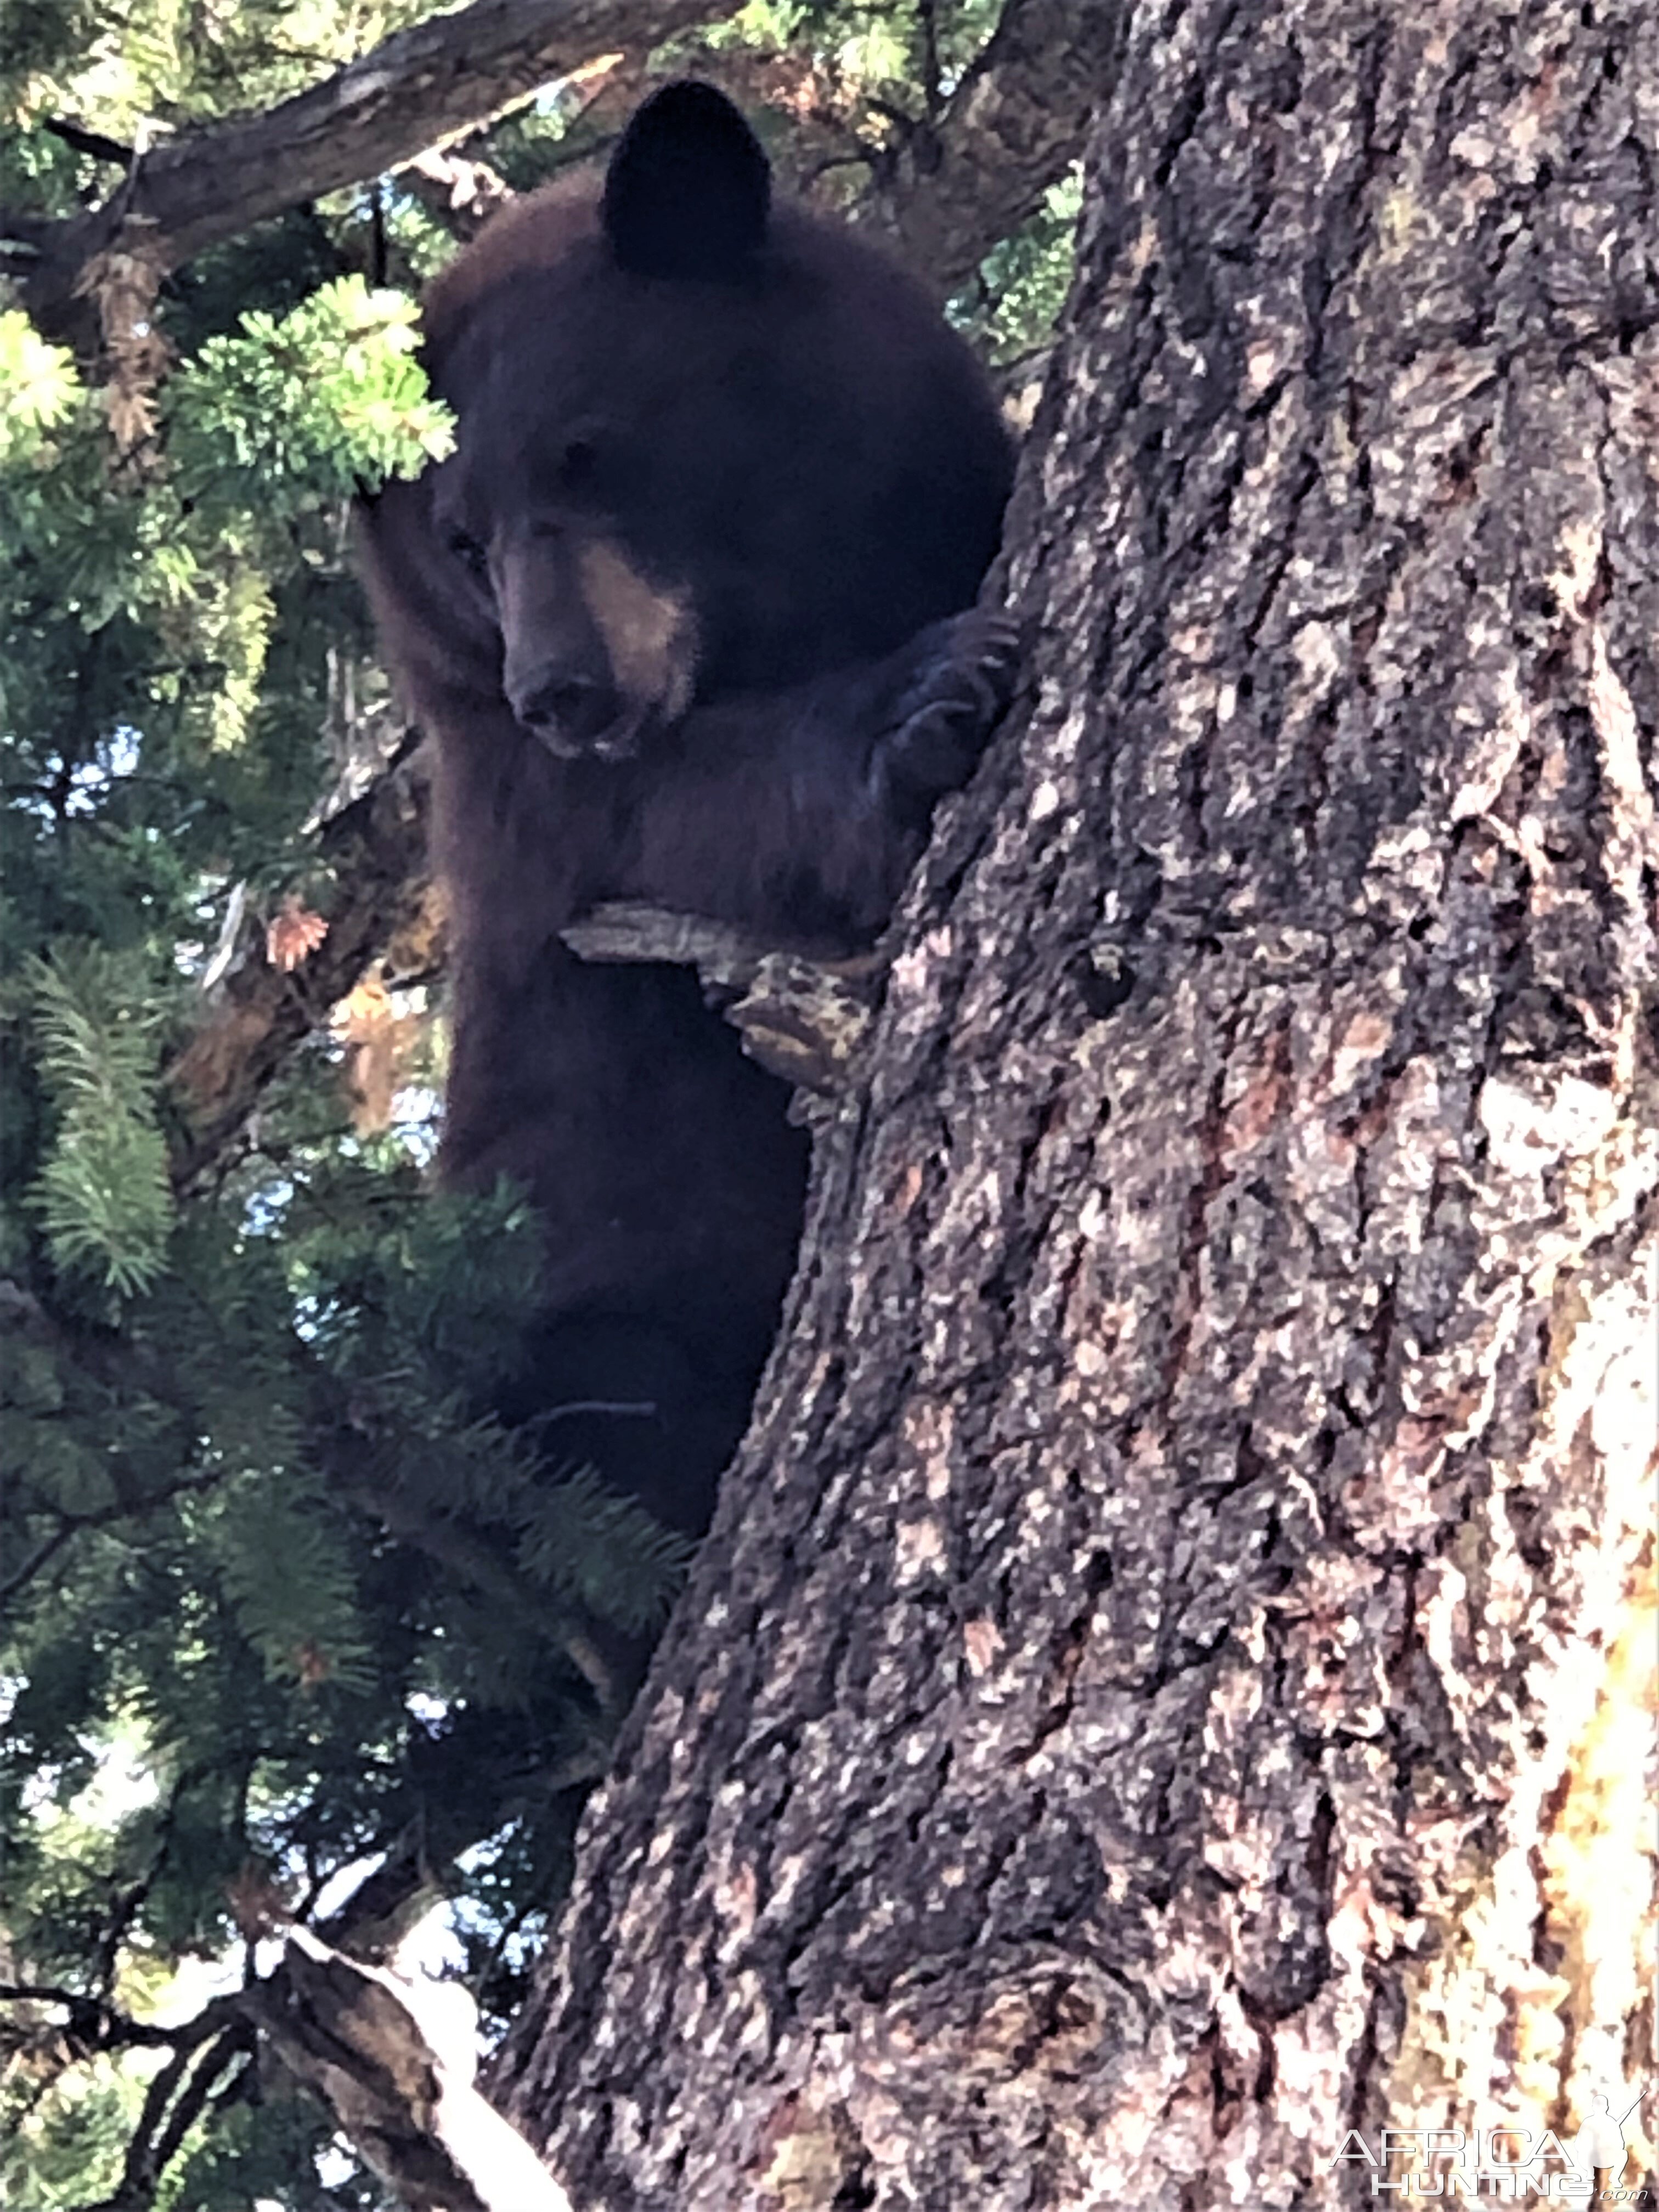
195 1596
868 50
286 1568
125 64
1016 301
583 1540
298 411
40 37
413 1298
103 1192
38 387
251 2156
67 2149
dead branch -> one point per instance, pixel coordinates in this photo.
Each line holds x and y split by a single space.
394 2062
802 1019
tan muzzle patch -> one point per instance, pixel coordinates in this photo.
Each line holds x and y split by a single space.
650 634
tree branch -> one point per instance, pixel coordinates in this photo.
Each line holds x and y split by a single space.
91 142
391 2059
801 1020
204 2051
956 185
376 845
421 85
92 2024
71 1525
473 1561
394 2062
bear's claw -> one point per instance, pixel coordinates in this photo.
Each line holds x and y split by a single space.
962 675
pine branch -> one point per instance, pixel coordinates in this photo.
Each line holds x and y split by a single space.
420 86
105 1516
102 1192
474 1563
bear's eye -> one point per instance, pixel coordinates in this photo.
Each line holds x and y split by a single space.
579 466
467 550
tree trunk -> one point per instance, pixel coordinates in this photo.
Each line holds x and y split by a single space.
1164 1688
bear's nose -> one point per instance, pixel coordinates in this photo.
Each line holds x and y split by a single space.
569 712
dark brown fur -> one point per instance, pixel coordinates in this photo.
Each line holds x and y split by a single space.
684 615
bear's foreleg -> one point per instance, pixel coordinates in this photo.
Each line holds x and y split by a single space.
798 814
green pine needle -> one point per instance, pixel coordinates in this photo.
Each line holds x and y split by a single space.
103 1194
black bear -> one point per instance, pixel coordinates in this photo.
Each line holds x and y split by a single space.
686 612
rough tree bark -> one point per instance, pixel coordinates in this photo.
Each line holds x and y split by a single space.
1162 1690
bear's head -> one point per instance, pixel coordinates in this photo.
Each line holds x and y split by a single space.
706 444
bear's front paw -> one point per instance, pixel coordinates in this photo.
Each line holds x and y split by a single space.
958 678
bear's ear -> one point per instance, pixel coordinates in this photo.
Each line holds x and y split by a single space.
689 188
